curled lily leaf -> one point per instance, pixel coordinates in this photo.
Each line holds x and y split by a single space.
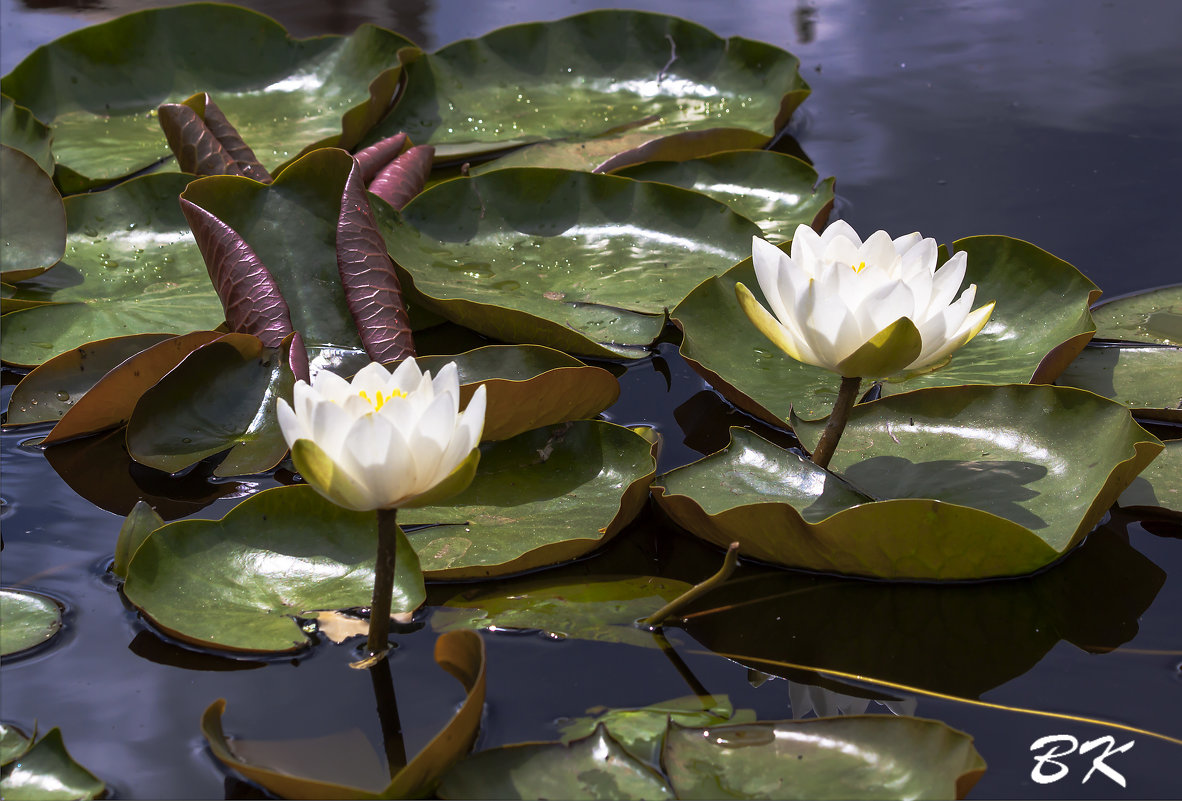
404 177
205 142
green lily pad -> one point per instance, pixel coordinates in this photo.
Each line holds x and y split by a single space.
611 153
137 527
528 386
775 191
596 766
460 653
47 772
13 742
1160 485
239 583
31 215
543 497
52 389
959 639
945 483
27 619
596 73
864 756
1040 323
580 262
131 267
641 731
99 87
602 610
1147 379
221 397
19 129
1154 317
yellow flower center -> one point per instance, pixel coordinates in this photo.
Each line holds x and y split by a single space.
380 401
857 268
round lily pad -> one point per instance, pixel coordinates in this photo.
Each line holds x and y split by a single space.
1154 317
19 129
543 497
1040 323
592 74
857 756
131 267
27 619
1147 379
528 386
31 216
239 583
943 483
775 191
580 262
99 87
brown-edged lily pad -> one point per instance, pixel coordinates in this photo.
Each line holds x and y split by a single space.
460 653
31 216
1154 317
1146 378
1041 322
944 483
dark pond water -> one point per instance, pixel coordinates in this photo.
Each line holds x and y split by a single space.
1055 122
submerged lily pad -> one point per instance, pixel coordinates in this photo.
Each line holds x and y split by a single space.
239 583
580 262
596 766
222 397
31 215
528 386
19 129
775 191
1147 379
863 756
944 483
47 772
27 619
1154 317
1040 323
591 74
460 653
602 610
543 497
99 87
131 267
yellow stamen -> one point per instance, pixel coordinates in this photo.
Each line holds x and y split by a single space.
857 268
380 401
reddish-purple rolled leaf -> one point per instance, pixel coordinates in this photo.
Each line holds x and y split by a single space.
373 158
246 287
204 141
371 287
297 357
404 177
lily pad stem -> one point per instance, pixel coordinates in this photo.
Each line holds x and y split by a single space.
847 396
383 582
698 590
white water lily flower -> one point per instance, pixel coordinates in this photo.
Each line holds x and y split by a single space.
862 309
384 441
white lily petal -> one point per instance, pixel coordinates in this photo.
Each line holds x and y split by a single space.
290 424
330 386
946 280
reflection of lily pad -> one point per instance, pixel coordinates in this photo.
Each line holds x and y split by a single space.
774 191
1040 323
27 619
529 386
959 639
846 757
603 610
131 267
31 216
1154 317
543 497
99 87
592 74
1147 379
581 262
956 482
239 583
47 772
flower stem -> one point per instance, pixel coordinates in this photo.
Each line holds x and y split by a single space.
383 582
847 396
729 562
